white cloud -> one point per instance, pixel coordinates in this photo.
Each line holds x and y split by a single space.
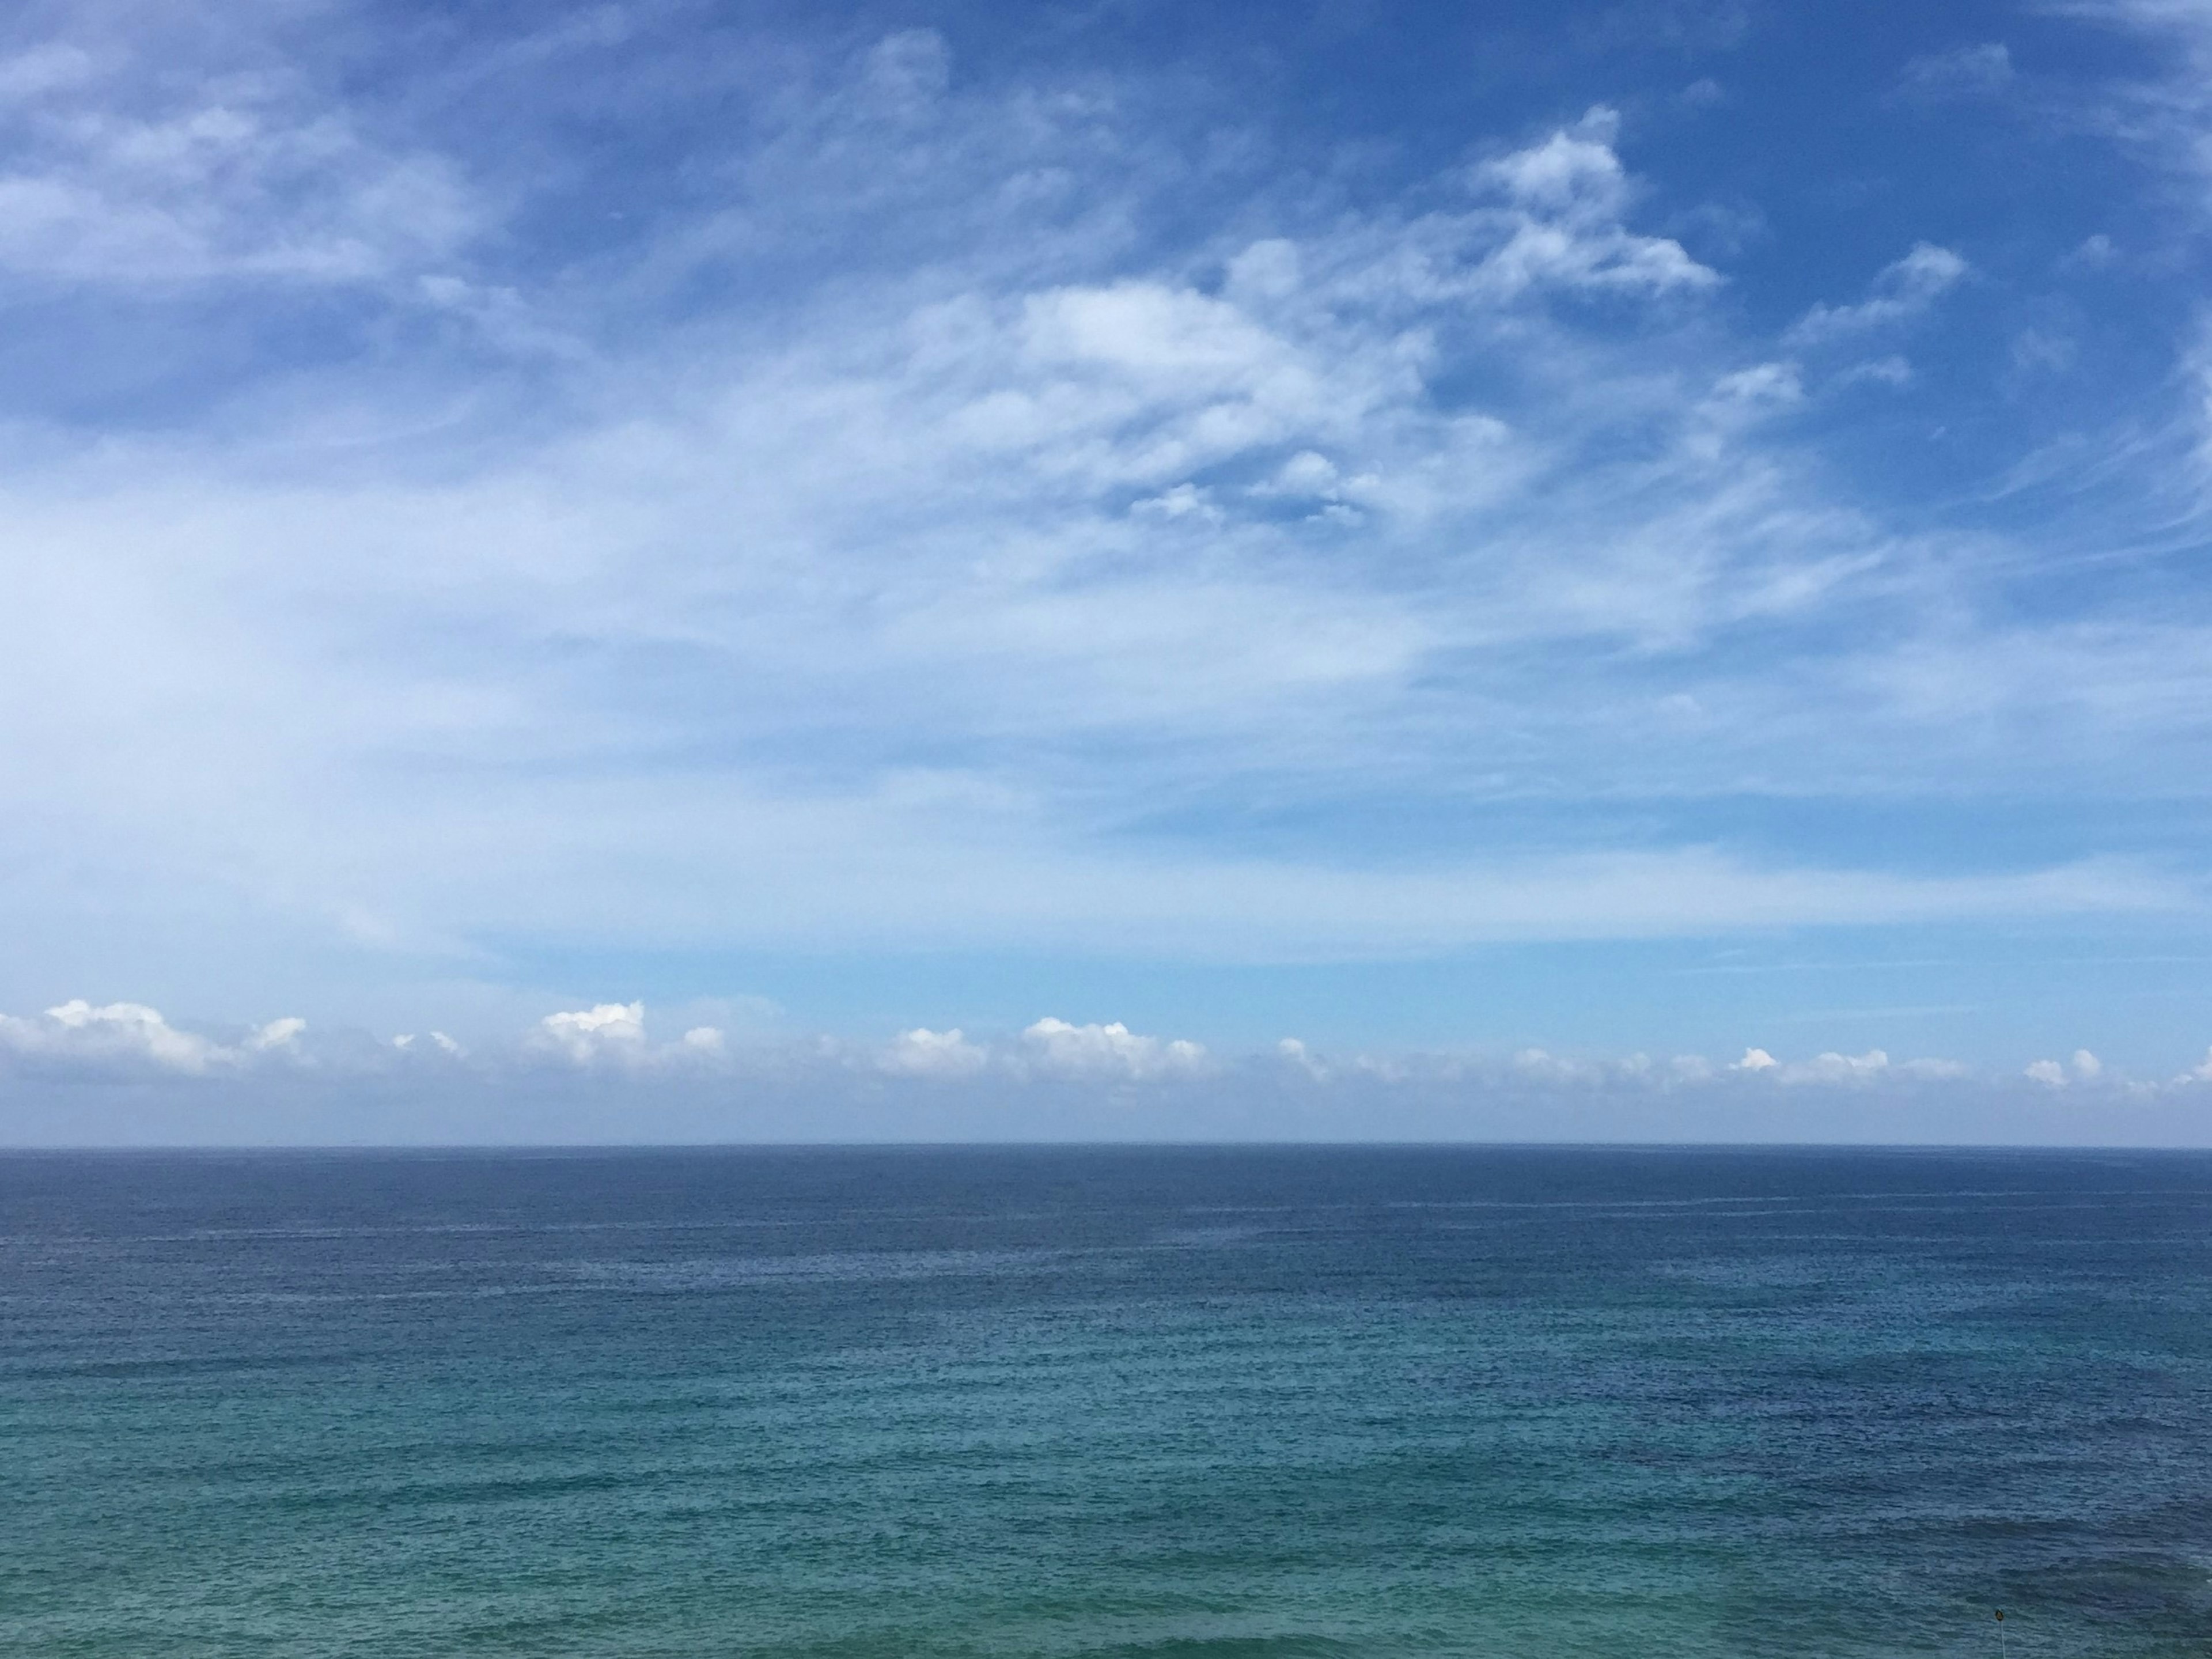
744 599
1761 389
55 66
607 1030
617 1063
1184 501
1172 339
2167 114
924 1053
129 1035
1892 370
112 180
1900 292
2095 252
1832 1068
1308 474
1937 1071
612 1034
1569 197
277 1033
1961 72
2036 350
908 71
2084 1068
1548 1068
1836 1068
128 1028
1058 1049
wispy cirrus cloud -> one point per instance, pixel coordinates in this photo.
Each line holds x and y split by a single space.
113 177
1979 70
934 500
926 508
1904 290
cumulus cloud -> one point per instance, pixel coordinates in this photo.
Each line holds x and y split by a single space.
1832 1068
277 1033
121 1029
608 1028
1569 195
924 1053
1835 1067
1935 1070
613 1034
1535 1072
826 1085
2084 1068
1903 291
130 1035
1056 1048
1553 1068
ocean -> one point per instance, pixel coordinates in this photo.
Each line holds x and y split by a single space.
1151 1403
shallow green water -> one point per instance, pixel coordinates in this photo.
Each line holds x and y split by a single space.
1092 1402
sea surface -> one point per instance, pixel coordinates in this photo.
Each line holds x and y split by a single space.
1149 1403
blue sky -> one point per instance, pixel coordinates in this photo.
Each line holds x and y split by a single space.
1545 556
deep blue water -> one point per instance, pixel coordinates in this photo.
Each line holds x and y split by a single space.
1136 1402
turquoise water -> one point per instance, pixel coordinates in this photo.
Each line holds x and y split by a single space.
1177 1403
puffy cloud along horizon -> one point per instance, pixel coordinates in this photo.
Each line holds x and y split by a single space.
92 1068
80 1039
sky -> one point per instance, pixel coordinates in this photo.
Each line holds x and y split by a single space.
1350 569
